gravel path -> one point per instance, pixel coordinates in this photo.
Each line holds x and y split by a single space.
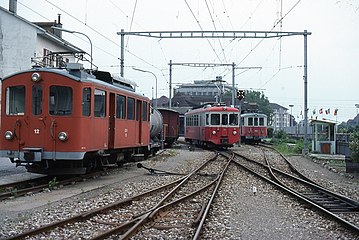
237 213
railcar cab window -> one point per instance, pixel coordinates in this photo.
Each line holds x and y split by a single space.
36 99
215 119
100 103
233 119
130 109
255 121
60 100
224 119
15 100
86 102
120 106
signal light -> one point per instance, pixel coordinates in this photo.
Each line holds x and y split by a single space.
241 94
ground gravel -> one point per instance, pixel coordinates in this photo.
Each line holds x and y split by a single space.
237 213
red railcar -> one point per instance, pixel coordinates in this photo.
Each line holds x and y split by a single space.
253 127
212 126
171 125
69 121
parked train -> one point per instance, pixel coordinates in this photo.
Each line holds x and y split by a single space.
212 126
171 125
253 127
70 121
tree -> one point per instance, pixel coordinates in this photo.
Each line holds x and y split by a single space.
354 146
261 100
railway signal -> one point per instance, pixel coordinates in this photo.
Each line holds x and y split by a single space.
241 94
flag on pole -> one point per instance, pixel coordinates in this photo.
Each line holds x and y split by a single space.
336 112
321 111
314 111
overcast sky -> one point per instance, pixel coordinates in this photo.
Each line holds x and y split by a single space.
333 47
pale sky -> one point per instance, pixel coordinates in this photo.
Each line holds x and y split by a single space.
333 47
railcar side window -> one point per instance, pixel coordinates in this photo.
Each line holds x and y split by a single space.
224 119
100 103
86 102
60 100
144 111
233 119
215 119
207 119
36 99
15 100
120 106
261 121
250 121
130 108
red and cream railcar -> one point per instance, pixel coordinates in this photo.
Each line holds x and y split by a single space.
212 126
253 127
66 121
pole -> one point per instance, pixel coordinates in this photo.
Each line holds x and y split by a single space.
305 77
70 31
122 57
146 71
233 83
170 87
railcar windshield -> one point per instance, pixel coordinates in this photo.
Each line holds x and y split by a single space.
36 99
233 119
215 119
15 100
60 100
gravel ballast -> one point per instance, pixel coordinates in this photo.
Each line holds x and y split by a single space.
237 213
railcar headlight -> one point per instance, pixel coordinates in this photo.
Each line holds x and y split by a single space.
63 136
9 135
214 132
36 77
234 132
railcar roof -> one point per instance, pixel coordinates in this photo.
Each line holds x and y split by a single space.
81 76
253 114
213 109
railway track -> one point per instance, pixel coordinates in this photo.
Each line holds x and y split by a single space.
336 206
179 208
21 188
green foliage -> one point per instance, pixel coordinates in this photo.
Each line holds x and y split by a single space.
354 146
280 136
290 148
52 184
270 132
261 100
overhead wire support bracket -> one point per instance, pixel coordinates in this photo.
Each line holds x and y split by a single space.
213 34
231 35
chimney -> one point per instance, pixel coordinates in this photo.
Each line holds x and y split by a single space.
13 6
59 25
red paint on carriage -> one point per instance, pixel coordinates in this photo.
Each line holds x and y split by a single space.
212 126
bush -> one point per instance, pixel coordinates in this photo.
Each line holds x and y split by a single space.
354 146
